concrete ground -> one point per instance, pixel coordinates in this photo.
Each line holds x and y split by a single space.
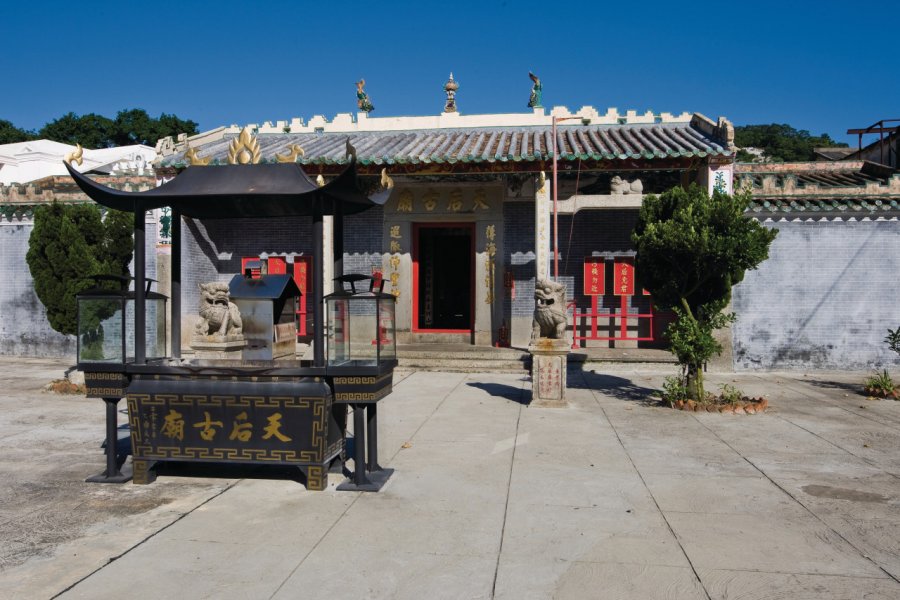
613 497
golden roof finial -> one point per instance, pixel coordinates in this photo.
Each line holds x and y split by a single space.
294 151
386 181
194 159
75 155
244 149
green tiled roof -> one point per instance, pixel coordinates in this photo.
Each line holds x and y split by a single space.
482 145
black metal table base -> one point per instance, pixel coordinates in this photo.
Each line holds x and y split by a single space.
112 474
374 481
367 476
123 475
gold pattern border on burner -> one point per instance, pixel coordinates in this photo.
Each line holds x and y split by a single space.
236 454
202 400
316 479
361 380
94 376
100 392
362 396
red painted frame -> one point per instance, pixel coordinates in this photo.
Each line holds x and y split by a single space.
623 315
302 279
416 227
623 270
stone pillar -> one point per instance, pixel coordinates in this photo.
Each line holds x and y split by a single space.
548 373
164 286
717 173
327 251
542 227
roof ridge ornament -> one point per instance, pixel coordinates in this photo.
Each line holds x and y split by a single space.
194 159
244 149
362 98
294 152
386 181
450 87
534 101
76 155
351 151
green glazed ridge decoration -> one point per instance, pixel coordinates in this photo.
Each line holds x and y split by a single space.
362 98
534 101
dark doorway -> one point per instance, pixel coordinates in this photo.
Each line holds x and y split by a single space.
443 271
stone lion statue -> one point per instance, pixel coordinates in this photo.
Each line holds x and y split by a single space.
618 185
218 315
550 310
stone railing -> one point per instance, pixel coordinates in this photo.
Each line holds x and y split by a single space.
787 185
18 201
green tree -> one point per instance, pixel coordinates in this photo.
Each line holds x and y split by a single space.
10 134
691 250
69 244
91 131
135 126
132 126
780 143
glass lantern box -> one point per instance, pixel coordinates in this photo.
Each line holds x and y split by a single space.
106 323
361 331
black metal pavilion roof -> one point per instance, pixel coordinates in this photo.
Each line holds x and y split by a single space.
233 191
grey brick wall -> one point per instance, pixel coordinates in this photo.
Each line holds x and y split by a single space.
824 299
362 245
213 248
518 237
362 242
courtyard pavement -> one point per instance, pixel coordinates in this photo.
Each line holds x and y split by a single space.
613 497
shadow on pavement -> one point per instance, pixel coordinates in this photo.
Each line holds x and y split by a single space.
853 388
617 387
500 390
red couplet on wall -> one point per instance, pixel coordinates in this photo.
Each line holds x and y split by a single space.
277 265
594 276
623 270
302 267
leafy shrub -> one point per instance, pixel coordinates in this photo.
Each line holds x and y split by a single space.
882 386
730 394
893 339
674 389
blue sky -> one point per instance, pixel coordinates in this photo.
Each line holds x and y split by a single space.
822 66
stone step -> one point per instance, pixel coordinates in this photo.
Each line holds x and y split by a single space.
475 353
472 359
463 365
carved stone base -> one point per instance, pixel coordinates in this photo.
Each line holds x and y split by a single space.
218 347
548 373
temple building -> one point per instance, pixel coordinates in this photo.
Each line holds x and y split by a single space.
468 228
473 218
